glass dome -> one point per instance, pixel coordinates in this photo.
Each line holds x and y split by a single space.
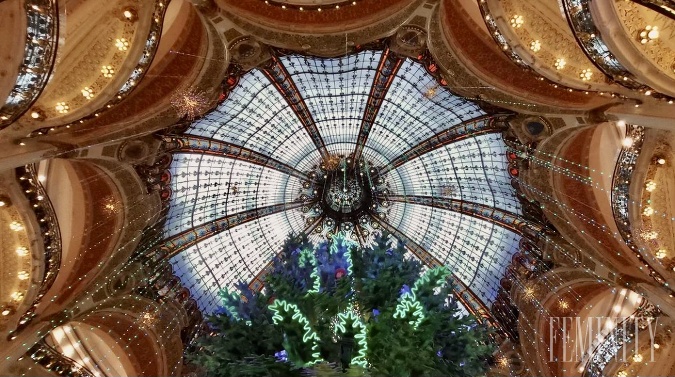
357 143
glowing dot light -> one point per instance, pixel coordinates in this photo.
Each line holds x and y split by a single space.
87 92
107 71
585 74
16 226
517 21
16 296
560 63
122 44
62 107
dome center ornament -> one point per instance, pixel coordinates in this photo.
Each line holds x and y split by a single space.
344 194
350 193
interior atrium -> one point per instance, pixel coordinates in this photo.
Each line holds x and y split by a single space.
154 153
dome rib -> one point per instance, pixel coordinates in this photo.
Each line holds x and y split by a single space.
182 241
282 80
386 72
471 128
207 146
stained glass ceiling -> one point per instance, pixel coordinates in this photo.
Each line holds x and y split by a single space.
248 173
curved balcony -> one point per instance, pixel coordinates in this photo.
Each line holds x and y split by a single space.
580 16
41 36
534 36
647 53
96 76
621 335
620 201
43 210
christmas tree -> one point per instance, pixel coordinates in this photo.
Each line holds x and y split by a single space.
337 309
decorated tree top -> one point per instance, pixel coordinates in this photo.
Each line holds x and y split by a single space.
339 309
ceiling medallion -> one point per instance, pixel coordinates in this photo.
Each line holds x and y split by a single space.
345 195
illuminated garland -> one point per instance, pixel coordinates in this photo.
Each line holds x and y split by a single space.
409 302
348 244
281 307
360 336
307 256
407 305
229 300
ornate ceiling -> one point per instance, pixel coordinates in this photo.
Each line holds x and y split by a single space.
258 168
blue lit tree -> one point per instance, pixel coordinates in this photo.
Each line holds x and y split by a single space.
347 310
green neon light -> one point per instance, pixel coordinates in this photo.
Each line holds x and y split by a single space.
409 303
308 256
229 299
360 337
349 244
437 274
280 308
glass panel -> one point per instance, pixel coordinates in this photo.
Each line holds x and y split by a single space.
473 170
209 187
257 116
336 93
414 109
231 256
477 251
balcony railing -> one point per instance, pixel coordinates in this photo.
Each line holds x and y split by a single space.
54 361
623 333
142 67
625 166
51 236
40 50
588 36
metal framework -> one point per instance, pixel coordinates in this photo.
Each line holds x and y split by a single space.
282 80
181 241
471 128
207 146
386 72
